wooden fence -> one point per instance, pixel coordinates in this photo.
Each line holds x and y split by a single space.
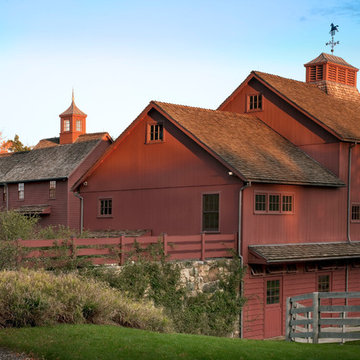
320 315
116 250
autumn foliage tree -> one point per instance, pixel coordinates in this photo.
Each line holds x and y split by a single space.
12 145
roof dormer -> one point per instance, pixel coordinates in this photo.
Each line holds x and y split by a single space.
72 123
331 74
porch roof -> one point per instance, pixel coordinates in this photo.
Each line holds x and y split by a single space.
34 209
281 253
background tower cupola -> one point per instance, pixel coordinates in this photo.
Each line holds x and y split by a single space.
333 75
72 123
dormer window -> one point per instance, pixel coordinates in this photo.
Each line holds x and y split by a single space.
255 102
66 125
78 125
155 132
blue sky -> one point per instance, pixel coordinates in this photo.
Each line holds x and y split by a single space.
119 55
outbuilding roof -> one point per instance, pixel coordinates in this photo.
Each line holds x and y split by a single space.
268 254
249 146
53 162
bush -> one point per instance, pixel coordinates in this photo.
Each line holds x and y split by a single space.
36 298
154 278
14 226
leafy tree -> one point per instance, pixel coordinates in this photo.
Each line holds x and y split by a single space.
16 145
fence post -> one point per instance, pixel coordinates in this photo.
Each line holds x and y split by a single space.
122 249
288 319
165 244
202 246
316 327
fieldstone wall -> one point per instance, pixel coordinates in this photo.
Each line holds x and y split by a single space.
201 276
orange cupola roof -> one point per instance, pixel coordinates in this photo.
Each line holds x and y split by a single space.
72 123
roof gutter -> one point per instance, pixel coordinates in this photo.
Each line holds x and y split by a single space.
348 214
239 252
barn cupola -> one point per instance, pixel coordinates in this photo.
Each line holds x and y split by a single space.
72 123
333 75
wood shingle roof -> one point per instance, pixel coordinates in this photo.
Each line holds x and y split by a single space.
305 252
341 117
54 162
249 146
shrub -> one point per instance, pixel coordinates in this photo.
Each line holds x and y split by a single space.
35 298
154 278
14 226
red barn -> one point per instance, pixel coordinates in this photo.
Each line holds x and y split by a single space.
38 182
277 163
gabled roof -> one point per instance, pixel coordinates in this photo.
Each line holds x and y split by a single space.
54 162
279 253
249 146
340 117
242 143
327 58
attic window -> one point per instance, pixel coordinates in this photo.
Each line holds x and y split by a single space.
155 132
255 102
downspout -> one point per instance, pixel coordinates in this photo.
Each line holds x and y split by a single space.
77 194
348 215
247 184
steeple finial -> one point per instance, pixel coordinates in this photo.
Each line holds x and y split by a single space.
333 30
73 97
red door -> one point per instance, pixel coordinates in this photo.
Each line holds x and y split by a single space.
273 308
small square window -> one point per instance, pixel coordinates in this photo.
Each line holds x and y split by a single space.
105 207
210 212
272 292
155 132
324 283
21 191
355 212
52 189
255 102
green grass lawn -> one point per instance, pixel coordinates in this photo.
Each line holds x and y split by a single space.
67 342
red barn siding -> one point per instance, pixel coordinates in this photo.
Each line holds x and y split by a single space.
37 193
160 186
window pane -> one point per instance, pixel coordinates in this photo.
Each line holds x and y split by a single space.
210 212
260 202
355 212
105 207
274 202
324 283
287 203
273 292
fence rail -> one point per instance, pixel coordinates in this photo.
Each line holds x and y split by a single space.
318 317
116 250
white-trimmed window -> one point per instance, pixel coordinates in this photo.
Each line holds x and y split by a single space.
66 125
52 189
273 203
78 125
21 191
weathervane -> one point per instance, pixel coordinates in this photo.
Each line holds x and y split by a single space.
334 28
